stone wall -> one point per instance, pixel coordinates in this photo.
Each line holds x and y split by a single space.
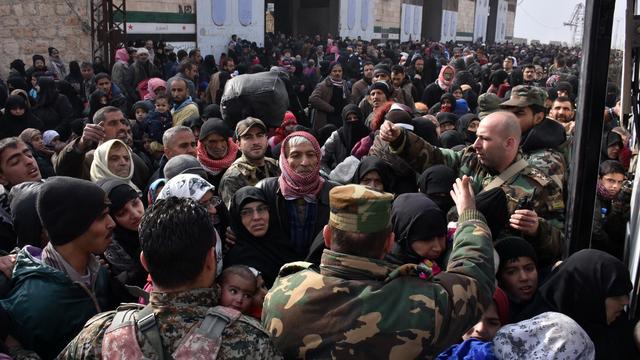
29 27
466 20
387 15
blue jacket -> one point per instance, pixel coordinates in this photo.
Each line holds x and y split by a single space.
46 308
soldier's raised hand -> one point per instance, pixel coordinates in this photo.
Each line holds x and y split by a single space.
389 132
462 194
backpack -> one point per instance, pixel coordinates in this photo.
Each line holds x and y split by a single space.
203 341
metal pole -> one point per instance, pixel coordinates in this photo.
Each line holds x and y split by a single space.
596 43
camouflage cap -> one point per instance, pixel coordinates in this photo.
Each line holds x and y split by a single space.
357 208
488 103
526 95
245 125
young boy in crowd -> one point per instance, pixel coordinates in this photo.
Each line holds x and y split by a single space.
238 285
159 120
140 110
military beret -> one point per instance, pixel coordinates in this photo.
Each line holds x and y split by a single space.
361 209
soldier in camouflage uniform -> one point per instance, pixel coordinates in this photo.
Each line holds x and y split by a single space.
534 201
178 251
252 166
357 306
542 137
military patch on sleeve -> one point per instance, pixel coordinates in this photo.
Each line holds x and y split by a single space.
539 176
557 204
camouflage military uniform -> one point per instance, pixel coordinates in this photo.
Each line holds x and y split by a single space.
551 162
242 173
541 145
362 308
544 194
176 313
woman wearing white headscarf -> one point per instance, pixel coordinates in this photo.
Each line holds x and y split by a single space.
550 335
113 160
194 187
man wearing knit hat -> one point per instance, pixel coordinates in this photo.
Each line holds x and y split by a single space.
141 69
61 286
253 165
216 149
379 309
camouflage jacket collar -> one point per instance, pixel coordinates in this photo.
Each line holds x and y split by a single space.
207 297
353 267
247 169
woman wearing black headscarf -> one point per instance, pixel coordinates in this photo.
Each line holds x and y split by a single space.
18 117
256 244
374 173
53 108
612 145
67 89
426 129
123 254
591 287
75 76
436 182
97 101
451 138
339 145
467 126
420 229
208 67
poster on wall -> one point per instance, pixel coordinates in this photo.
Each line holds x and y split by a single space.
356 19
217 20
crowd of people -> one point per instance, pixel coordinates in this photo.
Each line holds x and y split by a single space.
410 204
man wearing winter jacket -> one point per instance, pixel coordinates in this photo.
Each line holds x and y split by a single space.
58 288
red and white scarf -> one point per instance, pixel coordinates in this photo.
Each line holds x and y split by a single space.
295 186
216 166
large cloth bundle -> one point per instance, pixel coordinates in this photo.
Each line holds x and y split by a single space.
262 95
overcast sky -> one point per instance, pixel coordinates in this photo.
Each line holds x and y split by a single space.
543 20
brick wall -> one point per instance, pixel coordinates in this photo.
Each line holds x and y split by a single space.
29 27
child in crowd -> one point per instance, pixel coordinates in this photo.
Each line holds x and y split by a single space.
33 138
159 120
52 141
140 111
238 284
258 297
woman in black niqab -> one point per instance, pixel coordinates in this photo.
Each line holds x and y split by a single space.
579 288
12 124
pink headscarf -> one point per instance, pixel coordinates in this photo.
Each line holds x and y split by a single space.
295 186
442 82
152 86
122 55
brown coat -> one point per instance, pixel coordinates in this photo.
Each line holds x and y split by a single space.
319 100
